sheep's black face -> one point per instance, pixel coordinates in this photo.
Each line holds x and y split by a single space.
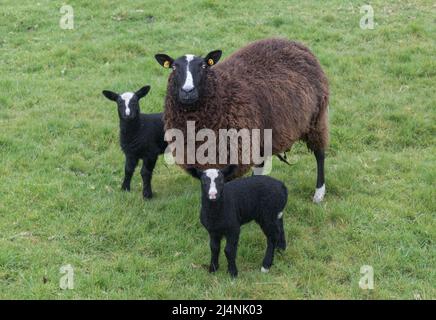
128 102
188 78
189 74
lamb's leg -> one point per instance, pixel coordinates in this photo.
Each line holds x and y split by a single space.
272 233
269 255
320 184
281 242
129 169
146 173
230 251
215 245
272 238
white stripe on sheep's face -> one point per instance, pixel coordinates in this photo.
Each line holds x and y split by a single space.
212 182
128 102
189 75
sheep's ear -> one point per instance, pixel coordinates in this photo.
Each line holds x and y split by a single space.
164 60
142 92
196 173
110 95
213 57
229 170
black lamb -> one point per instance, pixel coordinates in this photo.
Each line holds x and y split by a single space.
225 207
141 137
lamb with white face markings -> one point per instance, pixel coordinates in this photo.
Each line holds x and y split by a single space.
141 137
225 207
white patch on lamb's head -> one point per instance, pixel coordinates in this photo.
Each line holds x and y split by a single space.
126 97
212 174
189 81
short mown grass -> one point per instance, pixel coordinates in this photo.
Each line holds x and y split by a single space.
61 165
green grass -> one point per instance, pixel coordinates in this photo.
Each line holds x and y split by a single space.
61 166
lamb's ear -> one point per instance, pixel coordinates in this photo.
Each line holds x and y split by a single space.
110 95
213 57
229 170
164 60
196 173
142 92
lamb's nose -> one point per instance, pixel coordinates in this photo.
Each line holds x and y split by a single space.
212 195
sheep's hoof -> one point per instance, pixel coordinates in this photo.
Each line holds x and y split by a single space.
264 270
319 194
124 188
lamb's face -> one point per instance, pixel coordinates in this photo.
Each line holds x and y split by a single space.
128 105
213 180
212 183
189 74
128 102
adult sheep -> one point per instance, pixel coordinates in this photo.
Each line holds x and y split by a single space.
269 84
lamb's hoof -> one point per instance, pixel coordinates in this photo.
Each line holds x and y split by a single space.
147 195
319 194
264 270
281 247
233 274
125 188
213 268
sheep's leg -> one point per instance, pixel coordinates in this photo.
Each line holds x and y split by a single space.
129 169
215 246
146 173
230 251
281 242
320 184
272 233
269 255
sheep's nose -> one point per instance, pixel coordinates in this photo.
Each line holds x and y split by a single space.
212 195
188 89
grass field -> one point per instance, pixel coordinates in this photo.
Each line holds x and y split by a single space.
61 165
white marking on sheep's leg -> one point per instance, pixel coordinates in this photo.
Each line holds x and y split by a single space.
189 81
319 194
264 270
212 174
126 97
280 215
